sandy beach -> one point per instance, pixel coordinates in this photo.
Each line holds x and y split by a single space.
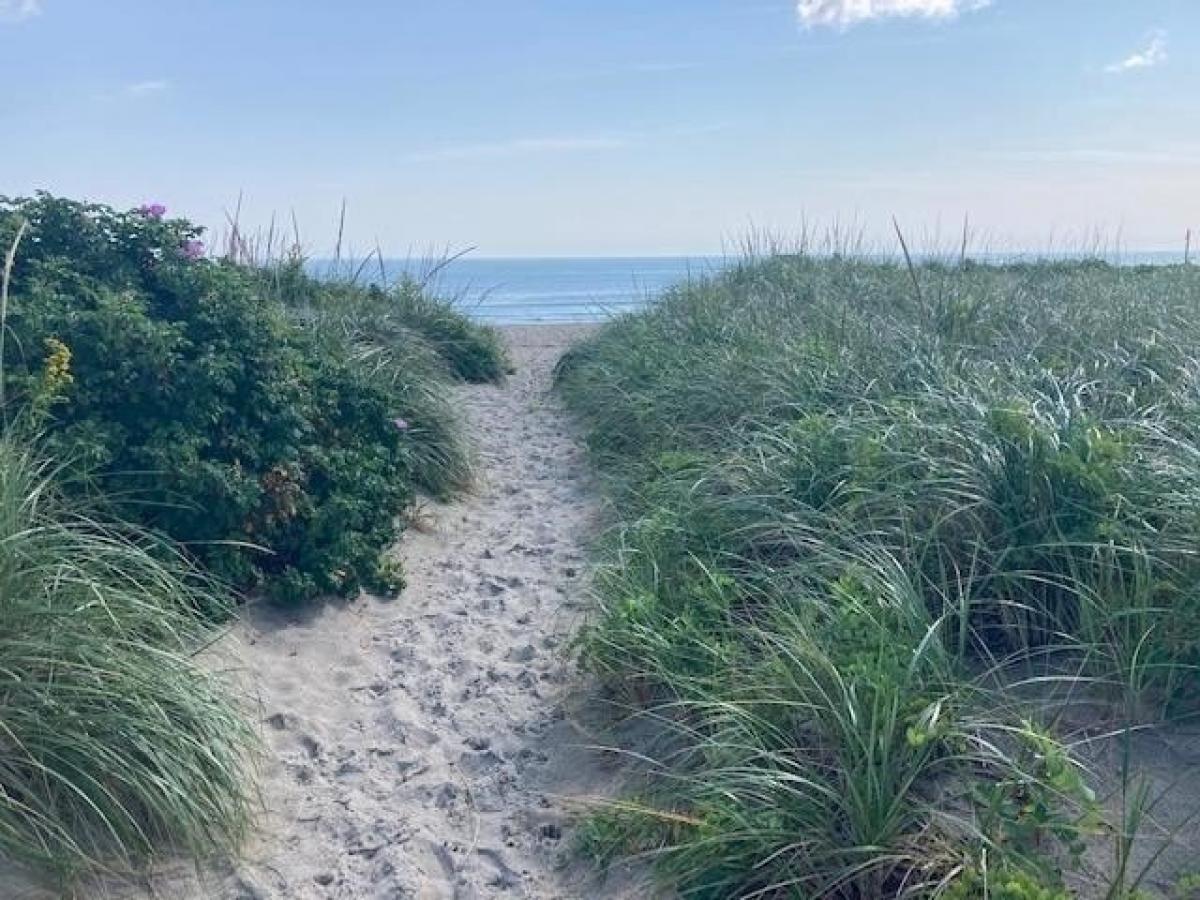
430 746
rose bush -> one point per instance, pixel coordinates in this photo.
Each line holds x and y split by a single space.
190 397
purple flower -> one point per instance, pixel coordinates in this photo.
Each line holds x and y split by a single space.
192 249
401 424
153 210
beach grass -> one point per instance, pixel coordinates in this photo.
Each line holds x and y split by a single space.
116 747
876 525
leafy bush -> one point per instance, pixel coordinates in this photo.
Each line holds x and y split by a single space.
265 441
408 344
114 745
853 494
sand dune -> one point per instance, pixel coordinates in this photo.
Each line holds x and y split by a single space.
429 746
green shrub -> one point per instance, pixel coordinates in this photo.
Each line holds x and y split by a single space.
115 747
408 344
273 445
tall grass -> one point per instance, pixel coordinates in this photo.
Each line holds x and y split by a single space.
868 515
115 746
360 289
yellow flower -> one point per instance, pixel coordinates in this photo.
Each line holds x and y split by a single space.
56 376
58 366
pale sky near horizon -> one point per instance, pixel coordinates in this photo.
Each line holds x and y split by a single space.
560 127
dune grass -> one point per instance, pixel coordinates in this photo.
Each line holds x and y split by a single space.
115 747
473 350
871 518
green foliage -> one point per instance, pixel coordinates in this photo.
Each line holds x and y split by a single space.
114 746
278 447
850 512
407 344
1186 888
474 352
1005 884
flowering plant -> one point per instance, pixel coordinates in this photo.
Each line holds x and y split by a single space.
191 398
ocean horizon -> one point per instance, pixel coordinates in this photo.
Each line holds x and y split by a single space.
557 289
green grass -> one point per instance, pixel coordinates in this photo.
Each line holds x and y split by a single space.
115 746
475 352
862 510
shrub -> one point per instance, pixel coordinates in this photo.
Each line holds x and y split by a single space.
114 745
408 344
183 388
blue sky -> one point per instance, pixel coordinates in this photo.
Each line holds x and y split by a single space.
558 127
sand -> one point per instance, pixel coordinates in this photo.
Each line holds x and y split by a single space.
428 746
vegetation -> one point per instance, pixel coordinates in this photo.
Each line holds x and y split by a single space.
273 424
876 523
114 745
264 429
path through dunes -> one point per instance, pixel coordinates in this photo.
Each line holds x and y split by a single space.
414 741
423 747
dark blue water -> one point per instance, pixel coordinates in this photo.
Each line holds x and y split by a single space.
586 289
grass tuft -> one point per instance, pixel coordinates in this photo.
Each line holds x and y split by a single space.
115 747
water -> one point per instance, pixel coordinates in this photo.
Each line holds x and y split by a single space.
516 291
590 289
564 290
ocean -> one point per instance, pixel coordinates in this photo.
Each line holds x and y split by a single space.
514 291
583 289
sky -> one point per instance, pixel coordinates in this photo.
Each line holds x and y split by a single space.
623 127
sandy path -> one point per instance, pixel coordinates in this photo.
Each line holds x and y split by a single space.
426 747
413 743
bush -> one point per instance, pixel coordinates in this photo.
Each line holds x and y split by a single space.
114 745
408 344
267 442
853 495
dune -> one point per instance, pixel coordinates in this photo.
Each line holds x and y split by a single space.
431 745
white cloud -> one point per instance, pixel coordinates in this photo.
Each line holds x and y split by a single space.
19 10
1152 53
847 13
519 147
147 88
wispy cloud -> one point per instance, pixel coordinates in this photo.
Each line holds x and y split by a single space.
518 147
536 146
1153 52
149 88
13 11
847 13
